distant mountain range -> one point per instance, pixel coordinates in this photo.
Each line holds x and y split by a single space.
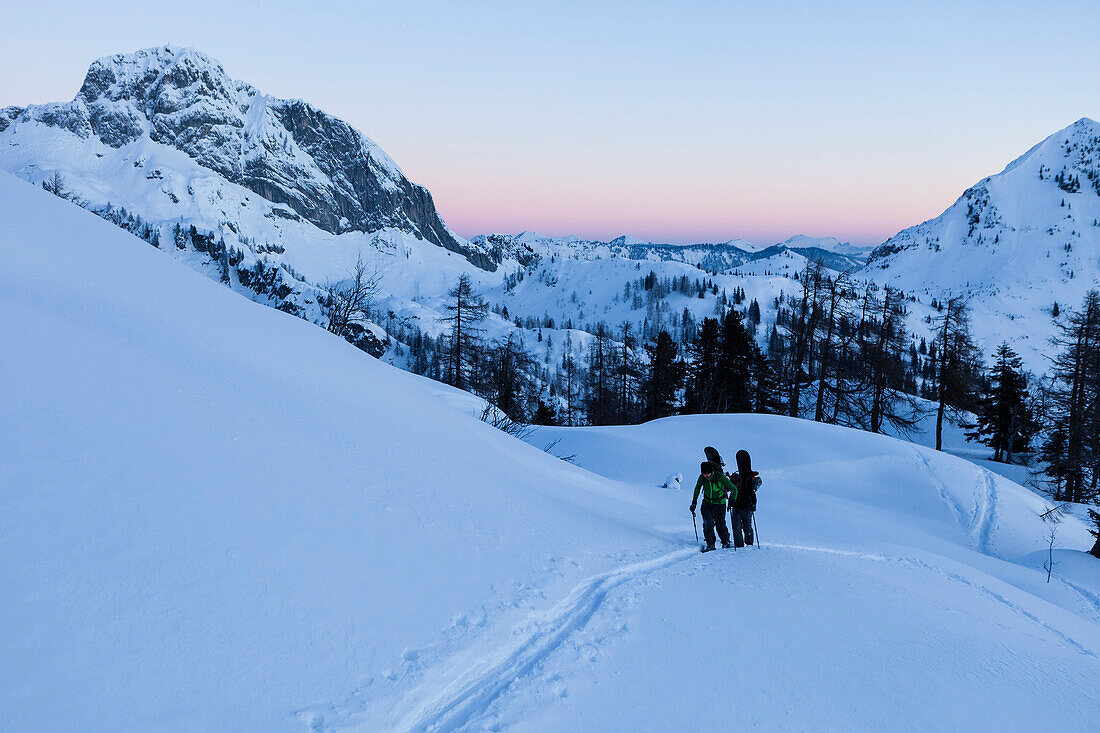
711 257
276 197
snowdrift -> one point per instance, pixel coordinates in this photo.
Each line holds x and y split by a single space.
882 481
217 516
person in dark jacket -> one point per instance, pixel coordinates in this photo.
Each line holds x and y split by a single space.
743 504
717 492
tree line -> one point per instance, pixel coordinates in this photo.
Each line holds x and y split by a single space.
839 352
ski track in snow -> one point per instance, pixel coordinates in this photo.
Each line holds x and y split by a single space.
945 495
982 521
1092 600
468 687
982 517
985 512
463 698
467 697
987 591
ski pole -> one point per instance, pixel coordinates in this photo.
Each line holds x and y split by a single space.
693 524
755 530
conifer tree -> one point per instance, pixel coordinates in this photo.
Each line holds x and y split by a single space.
831 343
179 237
626 375
467 311
957 376
701 394
599 387
571 382
765 383
55 184
752 315
1072 445
803 325
1004 421
664 377
509 378
885 398
733 369
545 414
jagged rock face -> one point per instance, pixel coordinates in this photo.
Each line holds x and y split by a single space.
500 247
285 150
8 115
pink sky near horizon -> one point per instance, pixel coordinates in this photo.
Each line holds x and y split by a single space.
764 214
733 193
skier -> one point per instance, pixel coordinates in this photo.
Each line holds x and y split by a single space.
743 504
715 487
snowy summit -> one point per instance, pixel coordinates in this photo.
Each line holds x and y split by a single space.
1014 244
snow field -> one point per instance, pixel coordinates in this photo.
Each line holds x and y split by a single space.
217 516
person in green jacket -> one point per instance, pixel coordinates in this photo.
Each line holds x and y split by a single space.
718 491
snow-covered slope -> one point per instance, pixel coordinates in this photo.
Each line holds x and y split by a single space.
216 516
1014 243
885 568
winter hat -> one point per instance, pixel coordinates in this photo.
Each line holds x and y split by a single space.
705 467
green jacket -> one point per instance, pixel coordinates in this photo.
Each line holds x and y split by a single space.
715 488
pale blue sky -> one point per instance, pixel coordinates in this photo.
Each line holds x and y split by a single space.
674 121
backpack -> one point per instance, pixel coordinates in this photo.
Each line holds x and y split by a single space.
746 494
713 492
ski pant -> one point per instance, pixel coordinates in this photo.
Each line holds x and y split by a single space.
741 521
714 515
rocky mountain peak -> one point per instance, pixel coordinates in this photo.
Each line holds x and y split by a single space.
152 72
287 151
